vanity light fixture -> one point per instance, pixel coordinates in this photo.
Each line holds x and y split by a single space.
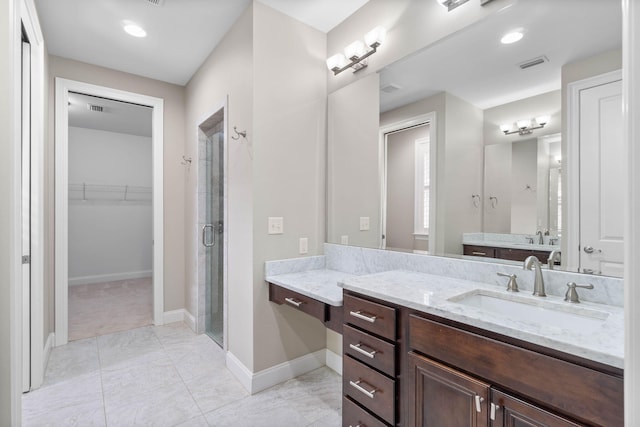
451 4
133 29
356 53
525 127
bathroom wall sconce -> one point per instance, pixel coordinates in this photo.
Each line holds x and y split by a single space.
356 53
451 4
525 127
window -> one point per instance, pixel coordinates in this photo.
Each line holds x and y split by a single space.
421 218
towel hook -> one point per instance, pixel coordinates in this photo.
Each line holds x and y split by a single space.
239 134
494 201
186 160
476 200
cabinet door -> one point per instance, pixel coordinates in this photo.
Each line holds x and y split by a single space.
507 411
442 397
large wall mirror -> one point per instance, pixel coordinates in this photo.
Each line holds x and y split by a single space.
487 125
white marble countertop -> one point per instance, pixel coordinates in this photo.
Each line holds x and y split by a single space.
430 294
318 284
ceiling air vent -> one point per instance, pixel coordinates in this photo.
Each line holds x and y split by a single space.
533 62
389 88
155 2
96 108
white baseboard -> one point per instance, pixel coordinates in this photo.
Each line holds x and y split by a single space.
102 278
269 377
180 315
334 361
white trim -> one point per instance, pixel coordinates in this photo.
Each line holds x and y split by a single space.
103 278
334 361
631 112
190 320
173 316
62 89
431 119
275 375
48 346
571 164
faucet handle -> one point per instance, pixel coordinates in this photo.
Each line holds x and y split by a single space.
572 293
512 286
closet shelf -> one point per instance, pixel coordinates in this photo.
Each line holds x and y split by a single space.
109 193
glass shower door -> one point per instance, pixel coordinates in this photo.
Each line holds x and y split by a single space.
213 237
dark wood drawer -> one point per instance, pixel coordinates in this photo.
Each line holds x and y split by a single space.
371 389
565 387
484 251
373 351
521 254
353 415
312 307
370 316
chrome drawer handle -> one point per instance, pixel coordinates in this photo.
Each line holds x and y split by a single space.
358 314
294 302
356 385
358 347
479 400
494 408
478 253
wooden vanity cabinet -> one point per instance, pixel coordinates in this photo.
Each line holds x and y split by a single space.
511 254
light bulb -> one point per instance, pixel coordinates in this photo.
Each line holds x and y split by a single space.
338 60
511 37
505 128
133 29
355 49
543 120
375 36
523 124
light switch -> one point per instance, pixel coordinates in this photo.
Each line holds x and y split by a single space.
344 240
364 223
304 245
276 225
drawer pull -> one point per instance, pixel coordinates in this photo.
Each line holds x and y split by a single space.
478 253
357 386
294 302
494 408
358 314
358 347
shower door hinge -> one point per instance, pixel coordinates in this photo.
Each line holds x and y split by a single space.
26 259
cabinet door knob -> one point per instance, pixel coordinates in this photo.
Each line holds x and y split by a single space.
479 400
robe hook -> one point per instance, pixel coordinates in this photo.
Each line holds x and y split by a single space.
239 134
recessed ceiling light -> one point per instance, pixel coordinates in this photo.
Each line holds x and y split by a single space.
134 29
511 37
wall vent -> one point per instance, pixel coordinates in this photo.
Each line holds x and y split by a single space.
533 62
155 2
96 108
390 87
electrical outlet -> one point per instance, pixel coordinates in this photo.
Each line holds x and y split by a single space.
276 225
344 240
303 245
364 223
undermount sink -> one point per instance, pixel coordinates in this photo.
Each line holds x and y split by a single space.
534 309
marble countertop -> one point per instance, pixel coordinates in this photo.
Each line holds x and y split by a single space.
318 284
431 294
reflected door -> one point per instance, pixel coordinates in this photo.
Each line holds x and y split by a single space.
602 180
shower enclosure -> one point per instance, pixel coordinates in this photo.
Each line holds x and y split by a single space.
211 247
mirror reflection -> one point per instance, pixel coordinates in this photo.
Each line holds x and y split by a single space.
486 170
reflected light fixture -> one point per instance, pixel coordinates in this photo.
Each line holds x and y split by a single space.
451 4
525 127
133 29
511 37
356 54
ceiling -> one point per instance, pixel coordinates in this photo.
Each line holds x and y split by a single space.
180 33
475 66
116 116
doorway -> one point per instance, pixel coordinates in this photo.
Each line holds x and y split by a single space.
212 226
408 185
67 192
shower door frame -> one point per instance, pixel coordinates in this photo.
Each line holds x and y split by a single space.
62 89
201 293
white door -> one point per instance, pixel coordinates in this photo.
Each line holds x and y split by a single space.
26 216
602 177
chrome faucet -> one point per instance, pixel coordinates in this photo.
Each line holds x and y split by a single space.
538 283
553 257
540 238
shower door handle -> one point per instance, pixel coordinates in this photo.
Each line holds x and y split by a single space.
204 235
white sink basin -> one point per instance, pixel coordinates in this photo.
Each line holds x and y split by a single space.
556 315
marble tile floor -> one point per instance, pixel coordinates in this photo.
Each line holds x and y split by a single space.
168 376
104 308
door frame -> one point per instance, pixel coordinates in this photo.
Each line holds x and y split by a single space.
431 119
62 89
571 239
